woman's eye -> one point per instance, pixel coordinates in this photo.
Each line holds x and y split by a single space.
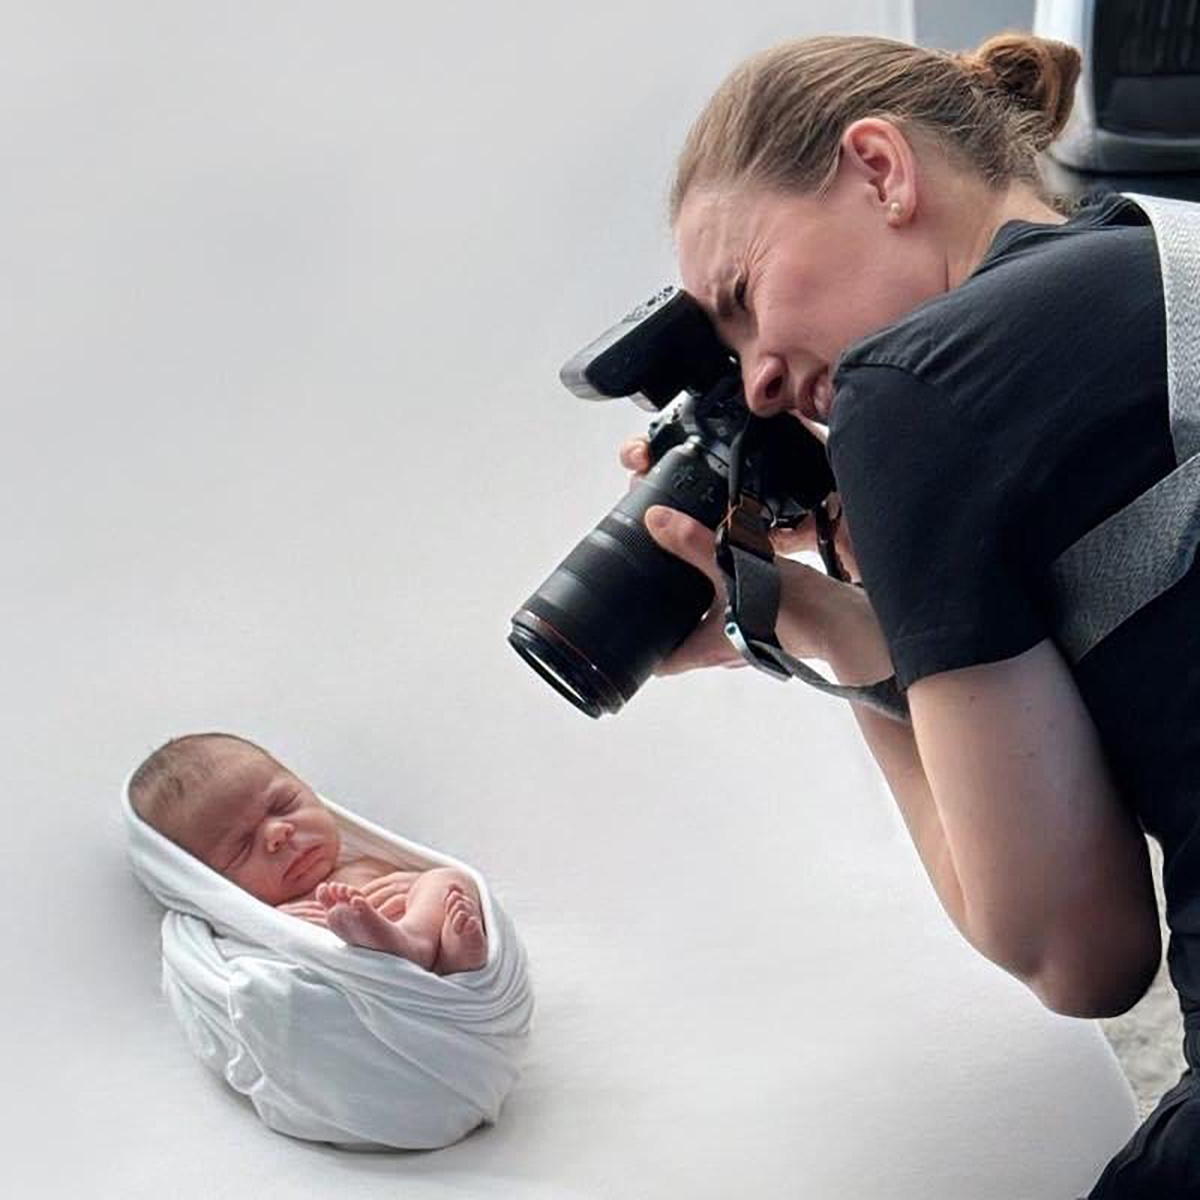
739 294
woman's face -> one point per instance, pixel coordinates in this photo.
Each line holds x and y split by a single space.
792 280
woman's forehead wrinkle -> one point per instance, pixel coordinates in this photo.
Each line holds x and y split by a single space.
701 240
718 268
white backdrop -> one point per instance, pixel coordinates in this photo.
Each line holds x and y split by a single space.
287 289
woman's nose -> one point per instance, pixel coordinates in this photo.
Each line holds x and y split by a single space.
765 382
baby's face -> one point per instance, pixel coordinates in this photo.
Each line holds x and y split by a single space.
263 828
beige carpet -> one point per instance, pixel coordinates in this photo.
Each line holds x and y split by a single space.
1148 1038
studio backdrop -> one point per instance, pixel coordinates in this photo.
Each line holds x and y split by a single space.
286 291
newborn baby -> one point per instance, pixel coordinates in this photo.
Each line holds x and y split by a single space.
241 812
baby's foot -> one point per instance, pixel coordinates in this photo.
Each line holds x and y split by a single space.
464 944
354 920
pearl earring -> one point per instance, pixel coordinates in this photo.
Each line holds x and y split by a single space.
894 210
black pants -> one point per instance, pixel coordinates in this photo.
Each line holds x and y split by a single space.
1162 1159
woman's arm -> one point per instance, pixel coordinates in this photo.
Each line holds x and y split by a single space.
1003 785
1001 782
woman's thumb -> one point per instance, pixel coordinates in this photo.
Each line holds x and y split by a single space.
682 536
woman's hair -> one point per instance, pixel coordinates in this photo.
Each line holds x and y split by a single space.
777 120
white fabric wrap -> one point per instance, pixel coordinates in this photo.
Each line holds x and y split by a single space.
331 1042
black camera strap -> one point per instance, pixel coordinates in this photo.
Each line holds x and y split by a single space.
747 560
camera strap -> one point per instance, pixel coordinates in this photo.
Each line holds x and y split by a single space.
747 560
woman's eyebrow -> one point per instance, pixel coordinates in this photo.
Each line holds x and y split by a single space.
723 301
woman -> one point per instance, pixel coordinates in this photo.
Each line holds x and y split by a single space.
864 223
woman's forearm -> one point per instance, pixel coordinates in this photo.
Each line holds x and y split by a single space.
894 749
857 654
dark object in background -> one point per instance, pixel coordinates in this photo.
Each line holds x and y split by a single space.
1135 124
618 604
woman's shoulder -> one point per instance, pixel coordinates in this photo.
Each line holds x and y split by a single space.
1050 308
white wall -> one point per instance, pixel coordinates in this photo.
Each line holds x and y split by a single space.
286 289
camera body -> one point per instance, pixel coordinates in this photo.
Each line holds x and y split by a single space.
618 604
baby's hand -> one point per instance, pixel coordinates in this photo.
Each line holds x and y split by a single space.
306 910
388 894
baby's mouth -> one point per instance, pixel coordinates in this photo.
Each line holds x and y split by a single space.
302 862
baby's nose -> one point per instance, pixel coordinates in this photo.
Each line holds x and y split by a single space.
278 834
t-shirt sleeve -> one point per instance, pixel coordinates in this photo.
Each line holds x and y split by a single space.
936 524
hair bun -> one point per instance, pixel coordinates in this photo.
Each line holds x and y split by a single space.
1033 73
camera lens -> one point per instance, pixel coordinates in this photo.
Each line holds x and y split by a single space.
561 665
618 604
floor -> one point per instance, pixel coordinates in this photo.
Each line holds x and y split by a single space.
1147 1039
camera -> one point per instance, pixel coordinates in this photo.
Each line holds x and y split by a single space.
618 604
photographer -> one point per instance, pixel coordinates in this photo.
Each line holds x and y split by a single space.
864 223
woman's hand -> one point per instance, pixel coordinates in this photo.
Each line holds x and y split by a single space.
819 617
635 457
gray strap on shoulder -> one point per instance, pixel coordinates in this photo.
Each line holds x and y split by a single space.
1142 550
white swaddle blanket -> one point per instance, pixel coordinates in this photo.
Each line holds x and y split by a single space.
331 1042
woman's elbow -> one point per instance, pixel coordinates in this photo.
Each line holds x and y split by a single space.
1102 984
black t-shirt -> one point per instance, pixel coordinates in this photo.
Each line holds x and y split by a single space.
979 436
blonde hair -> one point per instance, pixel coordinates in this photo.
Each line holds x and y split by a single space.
777 120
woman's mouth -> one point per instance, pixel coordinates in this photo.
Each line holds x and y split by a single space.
822 397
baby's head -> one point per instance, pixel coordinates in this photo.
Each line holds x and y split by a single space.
237 809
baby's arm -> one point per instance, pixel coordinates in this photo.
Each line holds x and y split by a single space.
306 910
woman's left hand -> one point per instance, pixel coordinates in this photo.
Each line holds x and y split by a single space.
804 537
816 613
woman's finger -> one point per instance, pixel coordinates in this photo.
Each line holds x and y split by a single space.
635 455
707 646
686 538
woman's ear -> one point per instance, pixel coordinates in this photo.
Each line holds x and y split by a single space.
881 157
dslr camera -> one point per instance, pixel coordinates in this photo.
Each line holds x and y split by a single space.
618 604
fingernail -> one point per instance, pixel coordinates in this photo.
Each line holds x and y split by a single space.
658 518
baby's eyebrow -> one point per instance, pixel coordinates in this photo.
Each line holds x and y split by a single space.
285 783
243 823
